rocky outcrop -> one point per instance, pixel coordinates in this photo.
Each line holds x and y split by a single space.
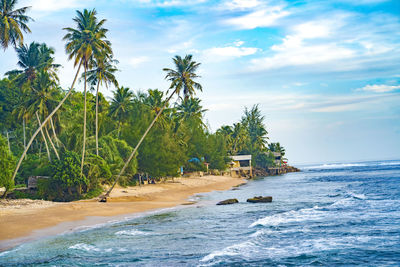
228 201
260 199
260 172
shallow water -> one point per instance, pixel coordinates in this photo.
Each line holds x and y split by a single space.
337 214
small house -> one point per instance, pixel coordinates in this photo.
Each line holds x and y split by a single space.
241 164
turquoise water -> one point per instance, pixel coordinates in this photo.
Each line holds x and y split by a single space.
326 215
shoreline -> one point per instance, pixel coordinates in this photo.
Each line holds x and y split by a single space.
24 223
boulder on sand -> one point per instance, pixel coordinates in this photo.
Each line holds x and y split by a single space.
228 201
260 199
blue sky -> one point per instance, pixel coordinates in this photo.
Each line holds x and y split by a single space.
326 74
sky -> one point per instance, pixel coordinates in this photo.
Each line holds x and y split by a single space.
325 74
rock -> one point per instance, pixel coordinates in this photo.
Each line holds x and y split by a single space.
103 199
228 201
260 199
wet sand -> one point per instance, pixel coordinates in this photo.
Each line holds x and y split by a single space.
24 220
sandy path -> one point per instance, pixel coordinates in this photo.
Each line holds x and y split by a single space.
21 217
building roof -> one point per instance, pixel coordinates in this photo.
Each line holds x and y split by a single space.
241 157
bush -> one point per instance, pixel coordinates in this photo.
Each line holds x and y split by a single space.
7 164
66 183
97 171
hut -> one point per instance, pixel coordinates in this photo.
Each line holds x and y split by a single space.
241 164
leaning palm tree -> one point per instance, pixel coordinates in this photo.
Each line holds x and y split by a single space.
182 79
120 105
76 48
12 23
103 70
86 43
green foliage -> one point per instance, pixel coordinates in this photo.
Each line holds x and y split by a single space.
217 153
96 170
7 165
66 183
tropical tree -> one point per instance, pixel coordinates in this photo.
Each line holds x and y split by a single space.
12 23
32 59
84 44
103 70
78 49
254 123
181 78
6 163
190 110
120 105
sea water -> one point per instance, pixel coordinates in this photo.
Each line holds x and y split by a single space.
326 215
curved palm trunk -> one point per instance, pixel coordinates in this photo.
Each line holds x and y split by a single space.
51 142
84 121
54 132
45 121
97 119
103 198
44 138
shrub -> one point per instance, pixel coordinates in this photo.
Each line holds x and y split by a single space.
66 183
6 166
97 171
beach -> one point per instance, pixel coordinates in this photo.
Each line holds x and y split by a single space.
19 219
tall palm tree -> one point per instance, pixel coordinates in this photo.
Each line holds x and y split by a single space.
191 109
120 105
12 23
181 78
78 48
86 43
103 70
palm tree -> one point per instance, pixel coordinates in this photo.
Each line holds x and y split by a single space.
86 43
191 109
120 105
254 123
12 23
102 71
77 47
182 78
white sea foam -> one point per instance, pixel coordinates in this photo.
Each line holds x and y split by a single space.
131 232
243 249
389 163
84 247
314 213
357 196
335 166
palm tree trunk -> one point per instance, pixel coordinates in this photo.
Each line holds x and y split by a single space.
84 120
44 138
103 198
45 121
23 126
51 143
54 132
8 141
97 118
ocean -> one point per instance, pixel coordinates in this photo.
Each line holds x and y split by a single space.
325 215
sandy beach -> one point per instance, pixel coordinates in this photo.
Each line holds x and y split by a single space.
19 219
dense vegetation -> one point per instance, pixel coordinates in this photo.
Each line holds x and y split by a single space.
82 140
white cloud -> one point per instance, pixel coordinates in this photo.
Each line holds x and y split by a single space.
51 5
230 51
379 88
265 17
240 4
170 3
136 61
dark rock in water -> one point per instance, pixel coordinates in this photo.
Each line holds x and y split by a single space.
260 199
228 201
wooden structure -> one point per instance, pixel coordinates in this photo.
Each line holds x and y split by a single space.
241 164
278 158
32 181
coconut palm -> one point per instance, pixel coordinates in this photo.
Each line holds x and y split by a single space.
78 48
32 59
181 78
86 43
120 105
190 109
103 70
12 23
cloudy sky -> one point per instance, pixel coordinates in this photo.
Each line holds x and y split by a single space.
326 74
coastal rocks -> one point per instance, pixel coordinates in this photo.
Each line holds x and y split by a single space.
260 199
228 201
